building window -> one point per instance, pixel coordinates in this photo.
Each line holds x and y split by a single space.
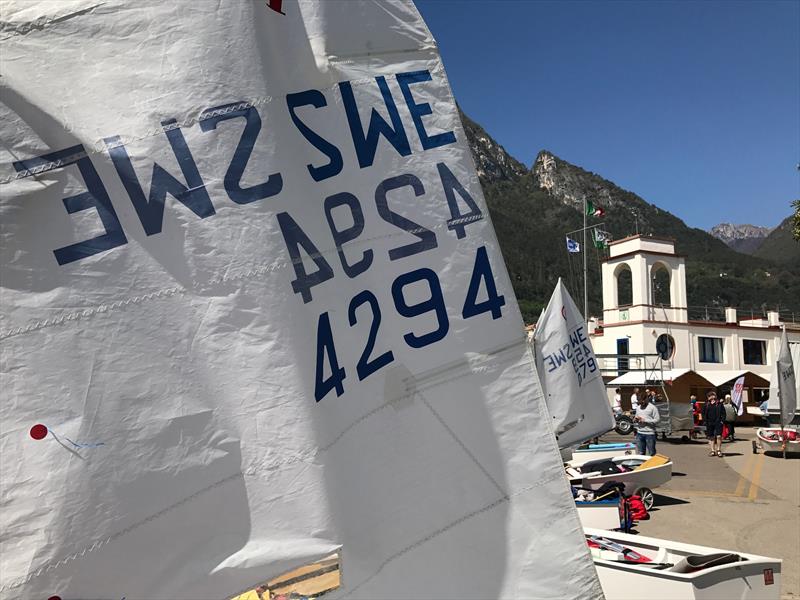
710 349
755 352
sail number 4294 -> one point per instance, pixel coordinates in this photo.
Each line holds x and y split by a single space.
364 305
391 194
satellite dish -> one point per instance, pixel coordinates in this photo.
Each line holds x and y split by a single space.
665 346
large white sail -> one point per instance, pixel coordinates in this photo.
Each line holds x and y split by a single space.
787 382
254 312
569 372
774 404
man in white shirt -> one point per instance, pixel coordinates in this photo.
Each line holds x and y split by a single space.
646 419
635 400
616 406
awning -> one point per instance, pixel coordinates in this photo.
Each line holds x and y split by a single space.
648 376
717 378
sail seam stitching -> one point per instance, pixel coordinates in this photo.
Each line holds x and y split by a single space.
102 542
171 291
40 24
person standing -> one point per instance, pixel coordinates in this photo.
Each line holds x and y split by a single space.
646 419
713 417
695 409
764 406
616 406
635 400
730 417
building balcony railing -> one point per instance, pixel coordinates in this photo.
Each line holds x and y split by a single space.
709 314
651 365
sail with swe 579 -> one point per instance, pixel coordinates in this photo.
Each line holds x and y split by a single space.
570 374
254 314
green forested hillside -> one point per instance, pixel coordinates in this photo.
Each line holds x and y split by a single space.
531 223
780 246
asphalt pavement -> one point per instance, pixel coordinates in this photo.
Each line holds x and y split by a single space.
743 501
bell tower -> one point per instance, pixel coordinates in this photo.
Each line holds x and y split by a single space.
644 280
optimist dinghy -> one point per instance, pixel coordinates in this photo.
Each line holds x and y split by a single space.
629 566
592 452
773 439
638 473
784 438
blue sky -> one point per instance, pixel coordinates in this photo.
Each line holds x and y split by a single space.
695 106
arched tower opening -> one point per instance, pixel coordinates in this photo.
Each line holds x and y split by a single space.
624 285
660 282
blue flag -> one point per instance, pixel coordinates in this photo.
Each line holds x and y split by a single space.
573 246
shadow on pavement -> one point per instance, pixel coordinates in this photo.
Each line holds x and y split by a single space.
779 454
660 500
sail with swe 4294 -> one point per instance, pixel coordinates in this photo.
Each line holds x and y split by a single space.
254 313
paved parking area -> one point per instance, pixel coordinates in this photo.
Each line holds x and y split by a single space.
743 501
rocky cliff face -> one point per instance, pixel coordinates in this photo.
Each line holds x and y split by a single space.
491 160
742 238
571 184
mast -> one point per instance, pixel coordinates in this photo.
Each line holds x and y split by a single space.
585 271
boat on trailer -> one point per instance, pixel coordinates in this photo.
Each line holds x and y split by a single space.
775 439
629 565
784 391
642 475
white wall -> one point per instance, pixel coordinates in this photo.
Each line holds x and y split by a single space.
643 338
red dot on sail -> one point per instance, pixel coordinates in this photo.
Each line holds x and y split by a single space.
39 432
53 597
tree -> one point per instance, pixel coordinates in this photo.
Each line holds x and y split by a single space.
796 220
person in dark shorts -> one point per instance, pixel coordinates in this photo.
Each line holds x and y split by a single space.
714 417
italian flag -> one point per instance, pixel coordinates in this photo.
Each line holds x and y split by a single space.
594 211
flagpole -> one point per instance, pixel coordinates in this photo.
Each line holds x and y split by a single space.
780 396
585 271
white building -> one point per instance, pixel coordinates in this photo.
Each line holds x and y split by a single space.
645 311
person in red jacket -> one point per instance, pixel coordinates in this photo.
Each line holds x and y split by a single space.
695 409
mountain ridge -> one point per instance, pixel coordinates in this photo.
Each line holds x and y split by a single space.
532 209
744 238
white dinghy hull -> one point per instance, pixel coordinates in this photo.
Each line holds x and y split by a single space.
581 456
770 442
750 578
633 480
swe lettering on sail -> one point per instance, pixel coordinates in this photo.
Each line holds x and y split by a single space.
577 353
189 188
